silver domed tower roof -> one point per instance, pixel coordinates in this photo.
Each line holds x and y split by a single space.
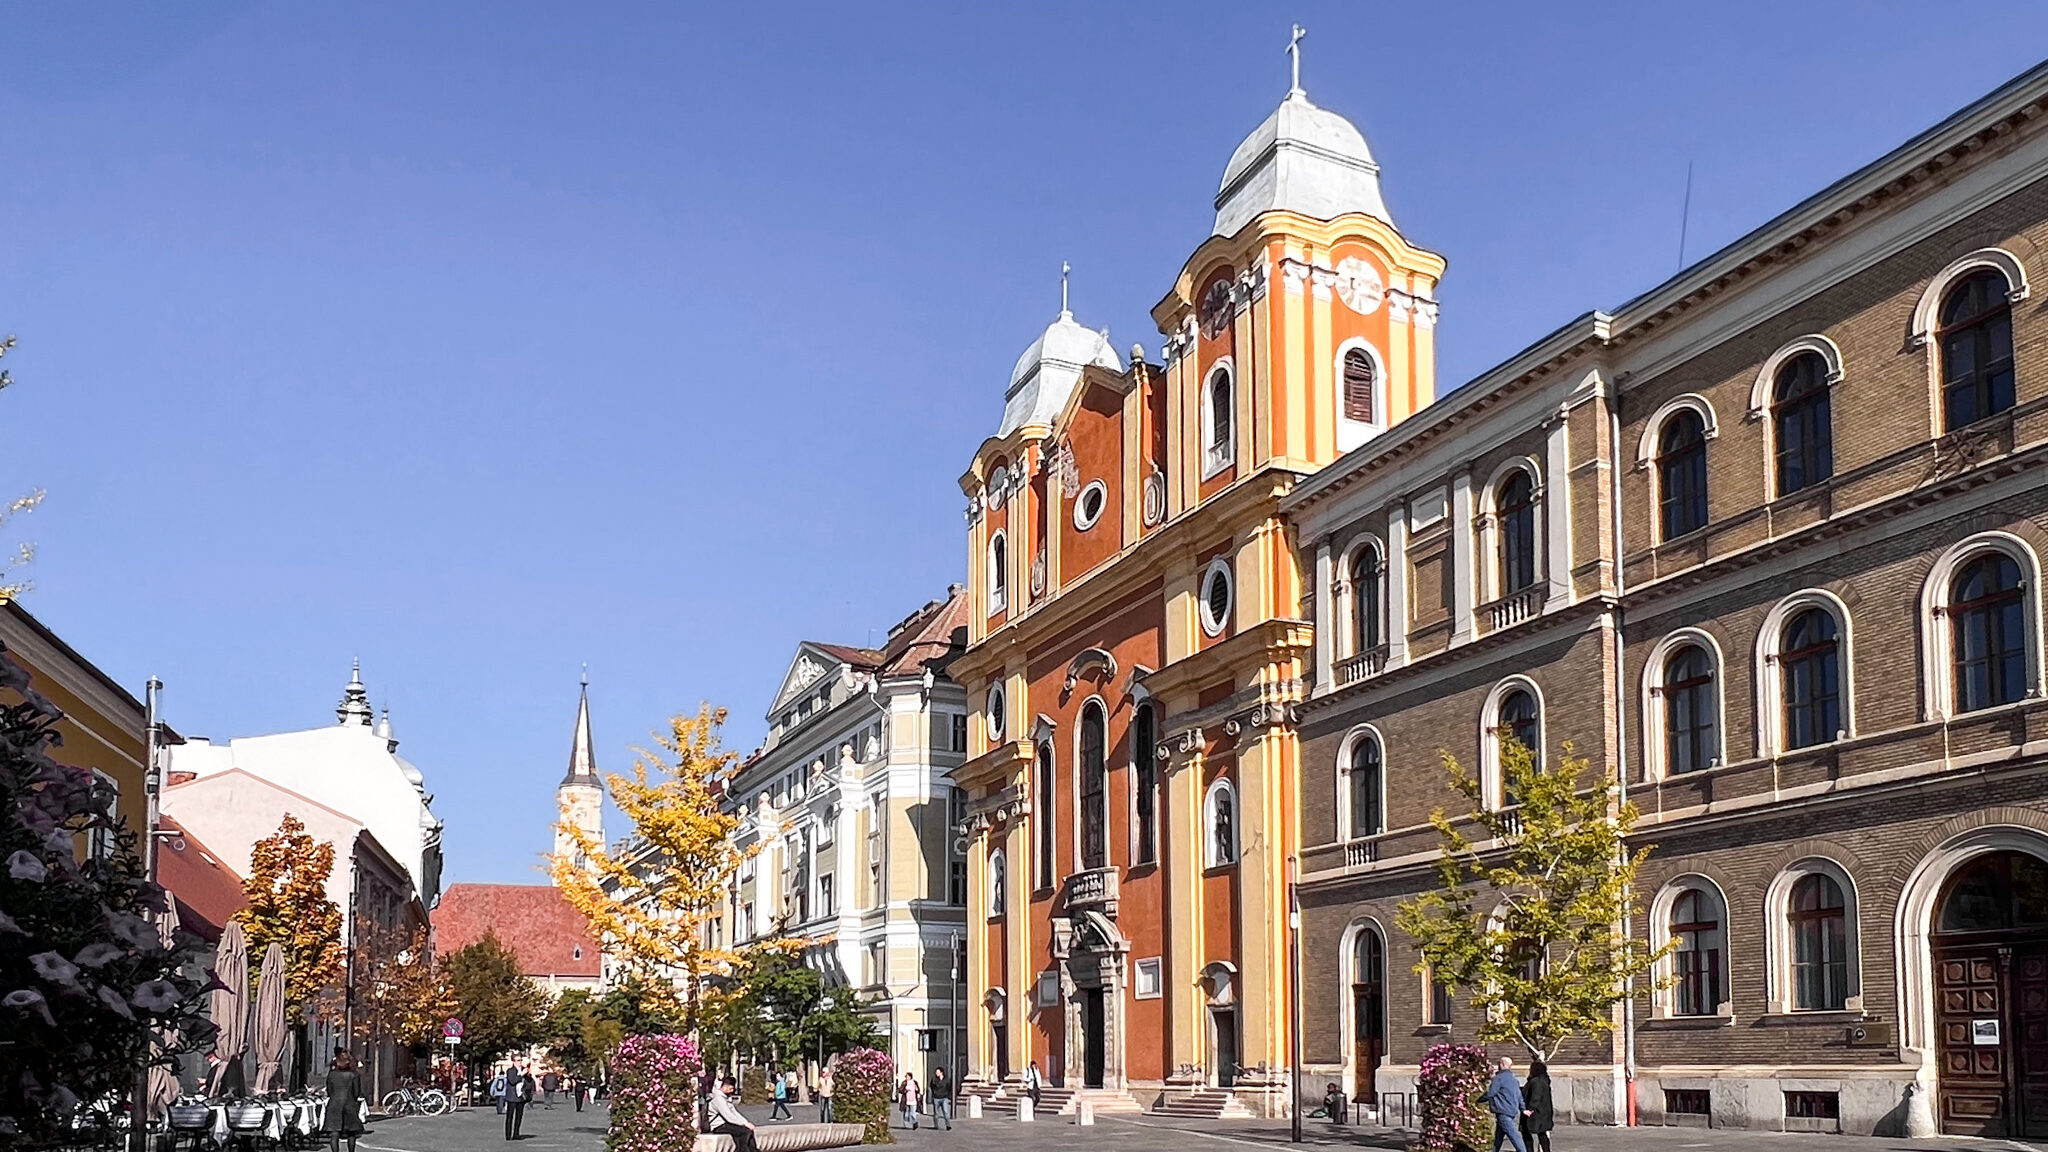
1046 373
1302 159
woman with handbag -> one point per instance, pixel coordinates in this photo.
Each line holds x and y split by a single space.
344 1102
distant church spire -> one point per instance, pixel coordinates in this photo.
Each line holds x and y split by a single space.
582 757
580 796
355 699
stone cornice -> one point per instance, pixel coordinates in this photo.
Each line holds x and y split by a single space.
1261 643
995 767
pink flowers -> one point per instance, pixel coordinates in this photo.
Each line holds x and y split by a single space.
654 1094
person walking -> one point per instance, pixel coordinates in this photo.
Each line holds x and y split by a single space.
518 1090
726 1119
1033 1085
779 1095
344 1116
1537 1115
906 1092
825 1095
549 1085
942 1098
576 1090
498 1091
1503 1097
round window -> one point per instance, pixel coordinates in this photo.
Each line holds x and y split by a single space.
1216 598
1088 509
995 713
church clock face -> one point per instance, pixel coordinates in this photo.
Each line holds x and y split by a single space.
1215 309
1359 285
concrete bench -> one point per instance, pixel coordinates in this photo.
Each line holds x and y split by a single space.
788 1138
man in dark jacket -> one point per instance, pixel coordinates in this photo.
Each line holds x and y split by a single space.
1503 1098
518 1090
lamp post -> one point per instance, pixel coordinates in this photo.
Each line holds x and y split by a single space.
152 784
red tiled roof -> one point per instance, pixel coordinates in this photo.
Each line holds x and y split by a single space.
208 891
546 932
926 635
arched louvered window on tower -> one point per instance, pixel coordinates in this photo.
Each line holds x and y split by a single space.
1361 387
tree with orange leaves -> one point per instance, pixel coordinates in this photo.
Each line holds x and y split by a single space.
288 906
649 901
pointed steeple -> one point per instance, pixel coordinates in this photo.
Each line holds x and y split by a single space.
355 699
582 756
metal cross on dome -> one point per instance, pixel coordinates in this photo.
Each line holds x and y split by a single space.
1294 51
1064 269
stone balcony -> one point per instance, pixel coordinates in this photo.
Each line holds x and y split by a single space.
1094 890
1514 607
1368 663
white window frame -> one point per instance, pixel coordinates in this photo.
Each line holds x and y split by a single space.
1210 857
1347 605
1778 914
1488 552
1663 992
993 713
1216 457
1351 433
1927 311
1770 690
1358 735
1937 592
1649 443
1490 781
1656 741
1144 972
1212 626
1082 521
998 572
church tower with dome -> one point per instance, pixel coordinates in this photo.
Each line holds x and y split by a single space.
1138 641
580 796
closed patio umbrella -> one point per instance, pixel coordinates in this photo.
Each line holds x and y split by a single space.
163 1078
230 1008
270 1034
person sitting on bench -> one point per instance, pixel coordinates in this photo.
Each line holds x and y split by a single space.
726 1119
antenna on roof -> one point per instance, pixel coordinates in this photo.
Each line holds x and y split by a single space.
1065 313
1294 51
1685 215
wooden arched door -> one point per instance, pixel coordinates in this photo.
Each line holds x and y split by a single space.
1368 1013
1990 945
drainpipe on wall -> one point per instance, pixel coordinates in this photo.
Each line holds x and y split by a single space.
152 784
1628 1003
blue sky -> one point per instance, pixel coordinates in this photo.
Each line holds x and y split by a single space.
483 341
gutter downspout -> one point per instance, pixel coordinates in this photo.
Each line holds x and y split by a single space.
1628 1003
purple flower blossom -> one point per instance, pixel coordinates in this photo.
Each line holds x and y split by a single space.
29 1000
115 1002
132 930
98 954
24 866
7 924
55 969
156 996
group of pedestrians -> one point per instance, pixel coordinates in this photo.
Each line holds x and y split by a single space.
912 1099
1521 1109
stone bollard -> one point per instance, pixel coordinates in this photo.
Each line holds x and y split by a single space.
1023 1109
974 1107
1087 1113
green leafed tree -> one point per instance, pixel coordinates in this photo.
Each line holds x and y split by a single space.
1528 920
502 1011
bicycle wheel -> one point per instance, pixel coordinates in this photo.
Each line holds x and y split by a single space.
434 1102
396 1103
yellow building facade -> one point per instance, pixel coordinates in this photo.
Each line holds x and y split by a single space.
1138 641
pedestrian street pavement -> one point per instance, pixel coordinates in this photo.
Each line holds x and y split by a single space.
563 1129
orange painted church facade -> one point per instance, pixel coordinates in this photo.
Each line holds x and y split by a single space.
1138 637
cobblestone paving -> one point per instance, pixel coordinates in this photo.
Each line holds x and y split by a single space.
565 1130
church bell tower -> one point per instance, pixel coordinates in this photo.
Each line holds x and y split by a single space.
580 797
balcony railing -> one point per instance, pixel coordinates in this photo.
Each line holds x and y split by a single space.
1361 852
1370 662
1514 608
1093 890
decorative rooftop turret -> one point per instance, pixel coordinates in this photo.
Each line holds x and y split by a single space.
355 700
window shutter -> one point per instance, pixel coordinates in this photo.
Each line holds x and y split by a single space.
1358 386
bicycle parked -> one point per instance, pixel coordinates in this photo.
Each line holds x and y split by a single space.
410 1099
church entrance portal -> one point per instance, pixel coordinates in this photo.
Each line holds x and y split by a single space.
1990 952
1094 1045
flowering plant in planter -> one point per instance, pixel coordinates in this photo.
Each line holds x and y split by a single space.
862 1084
1447 1098
90 994
654 1094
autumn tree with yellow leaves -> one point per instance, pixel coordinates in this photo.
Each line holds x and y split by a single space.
649 902
288 906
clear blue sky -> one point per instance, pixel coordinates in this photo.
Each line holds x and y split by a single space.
487 340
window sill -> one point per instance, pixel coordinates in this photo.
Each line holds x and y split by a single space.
1798 1017
1686 1023
1146 868
1220 869
1433 1030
